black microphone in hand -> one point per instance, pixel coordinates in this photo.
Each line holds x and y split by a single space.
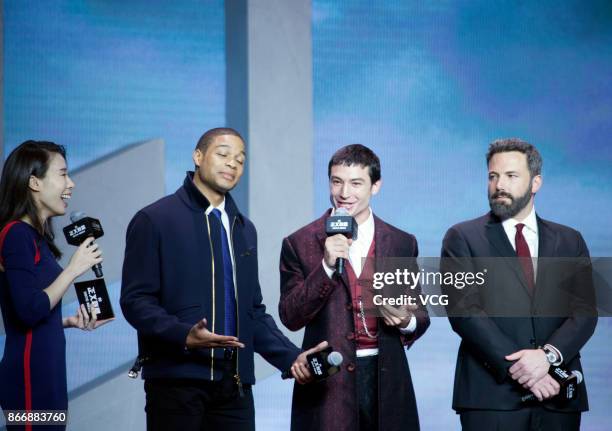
341 223
568 381
321 364
83 227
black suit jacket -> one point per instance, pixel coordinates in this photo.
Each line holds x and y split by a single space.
502 317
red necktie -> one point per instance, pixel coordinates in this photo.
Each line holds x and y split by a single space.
522 251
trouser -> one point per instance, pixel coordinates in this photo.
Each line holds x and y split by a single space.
199 405
367 392
526 419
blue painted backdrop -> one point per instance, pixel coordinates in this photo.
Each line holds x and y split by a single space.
98 75
427 85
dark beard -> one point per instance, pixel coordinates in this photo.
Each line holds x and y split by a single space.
504 211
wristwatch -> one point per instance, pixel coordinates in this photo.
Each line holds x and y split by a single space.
551 356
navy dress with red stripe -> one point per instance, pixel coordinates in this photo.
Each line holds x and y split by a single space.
33 368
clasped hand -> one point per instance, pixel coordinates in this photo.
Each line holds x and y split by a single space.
531 371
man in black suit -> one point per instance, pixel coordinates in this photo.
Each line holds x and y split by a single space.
533 312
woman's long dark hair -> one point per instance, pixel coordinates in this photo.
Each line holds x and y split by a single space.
16 201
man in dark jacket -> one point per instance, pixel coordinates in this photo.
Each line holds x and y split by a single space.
536 310
190 288
373 390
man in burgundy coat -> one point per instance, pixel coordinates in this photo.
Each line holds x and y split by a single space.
373 390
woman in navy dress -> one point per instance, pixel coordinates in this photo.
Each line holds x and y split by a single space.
35 187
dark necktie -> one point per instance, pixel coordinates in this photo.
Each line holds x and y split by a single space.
522 251
228 281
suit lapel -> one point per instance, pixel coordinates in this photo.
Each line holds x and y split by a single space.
321 236
547 240
497 237
382 239
547 244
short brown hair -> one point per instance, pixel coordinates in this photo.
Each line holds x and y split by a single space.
534 159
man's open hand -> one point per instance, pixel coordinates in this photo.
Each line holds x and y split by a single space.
200 336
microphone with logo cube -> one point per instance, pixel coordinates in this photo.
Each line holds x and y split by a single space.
91 293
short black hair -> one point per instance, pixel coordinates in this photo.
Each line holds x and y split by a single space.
356 154
208 138
534 159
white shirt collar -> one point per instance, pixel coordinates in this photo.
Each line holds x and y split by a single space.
367 227
530 222
220 207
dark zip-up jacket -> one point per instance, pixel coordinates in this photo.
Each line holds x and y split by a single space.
173 277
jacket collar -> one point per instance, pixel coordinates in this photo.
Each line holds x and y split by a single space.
498 238
547 239
384 240
195 200
320 232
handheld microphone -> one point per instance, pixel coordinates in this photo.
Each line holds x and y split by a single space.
341 222
83 227
568 381
322 364
137 366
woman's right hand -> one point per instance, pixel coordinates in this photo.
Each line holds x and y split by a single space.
87 255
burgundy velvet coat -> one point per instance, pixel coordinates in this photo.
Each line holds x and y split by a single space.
309 298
